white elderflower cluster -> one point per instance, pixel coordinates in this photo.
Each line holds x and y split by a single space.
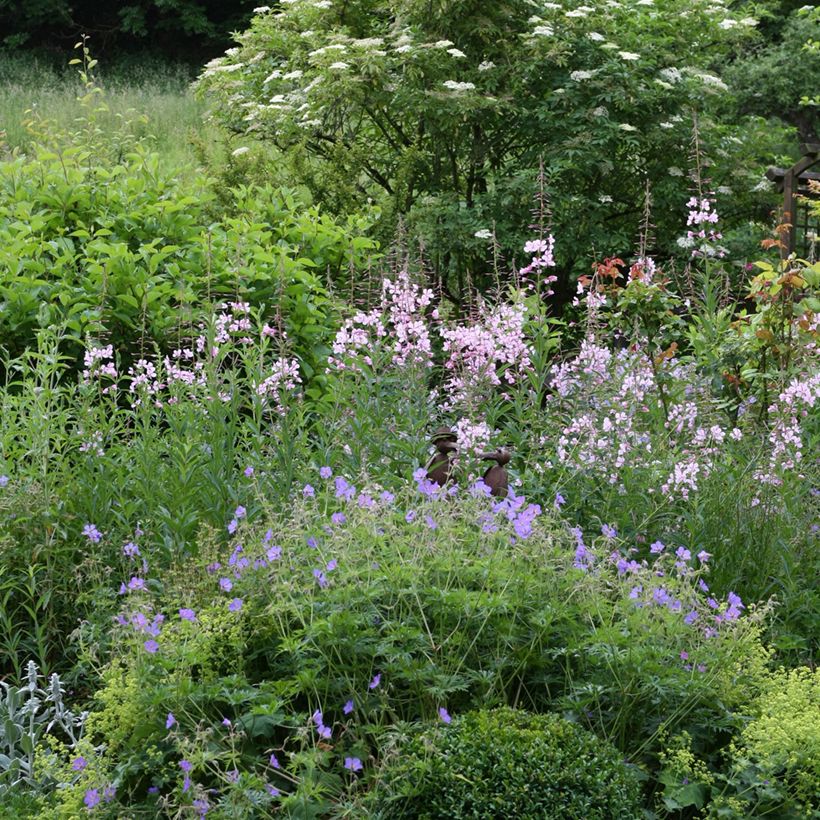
453 85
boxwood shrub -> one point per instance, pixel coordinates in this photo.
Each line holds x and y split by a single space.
506 763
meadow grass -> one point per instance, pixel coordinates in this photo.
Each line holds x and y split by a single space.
153 96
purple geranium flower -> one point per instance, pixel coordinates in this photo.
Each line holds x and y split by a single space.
92 798
92 533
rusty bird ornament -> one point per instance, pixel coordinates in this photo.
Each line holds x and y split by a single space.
440 466
496 476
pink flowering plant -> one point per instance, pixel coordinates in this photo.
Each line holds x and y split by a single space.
232 542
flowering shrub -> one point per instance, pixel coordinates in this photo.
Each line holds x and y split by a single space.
446 114
398 325
266 670
488 353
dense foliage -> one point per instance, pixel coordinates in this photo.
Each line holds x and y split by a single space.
98 237
443 114
508 763
229 586
191 28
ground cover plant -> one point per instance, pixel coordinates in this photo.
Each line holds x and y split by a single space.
230 588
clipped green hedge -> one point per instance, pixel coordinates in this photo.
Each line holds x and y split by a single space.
506 763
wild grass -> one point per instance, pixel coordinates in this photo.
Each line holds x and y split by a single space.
153 96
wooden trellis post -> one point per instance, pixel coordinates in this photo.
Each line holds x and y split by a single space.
794 183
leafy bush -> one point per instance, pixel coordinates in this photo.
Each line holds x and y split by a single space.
100 239
307 636
442 115
771 767
506 763
775 762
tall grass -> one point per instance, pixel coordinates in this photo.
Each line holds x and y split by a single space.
153 96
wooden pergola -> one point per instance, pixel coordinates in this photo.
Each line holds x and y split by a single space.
794 184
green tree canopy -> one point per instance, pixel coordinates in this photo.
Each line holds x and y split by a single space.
442 110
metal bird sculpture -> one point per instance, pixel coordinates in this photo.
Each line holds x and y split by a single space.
441 464
496 476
